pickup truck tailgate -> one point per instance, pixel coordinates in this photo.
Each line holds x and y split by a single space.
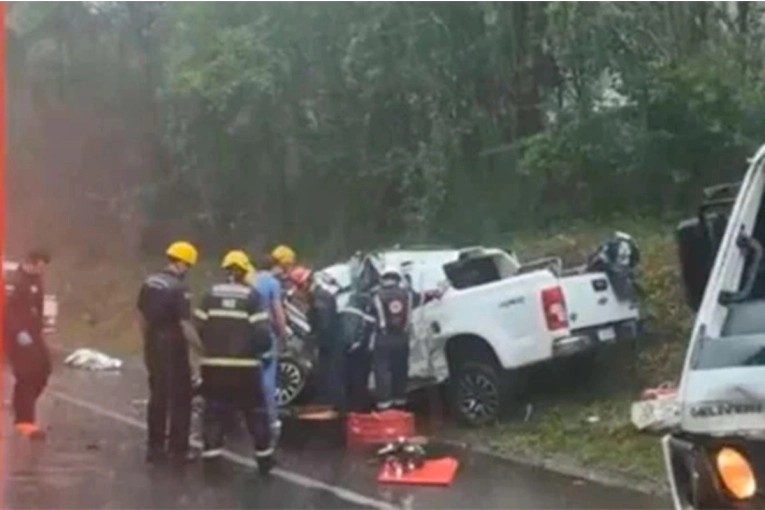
590 301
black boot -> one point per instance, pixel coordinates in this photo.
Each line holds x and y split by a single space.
266 464
156 456
181 458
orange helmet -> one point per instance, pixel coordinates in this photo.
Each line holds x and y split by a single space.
300 275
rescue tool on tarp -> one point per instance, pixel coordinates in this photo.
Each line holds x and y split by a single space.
405 461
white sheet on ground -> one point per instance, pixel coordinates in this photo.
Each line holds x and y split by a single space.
89 359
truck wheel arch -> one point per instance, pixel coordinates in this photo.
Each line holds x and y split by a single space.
464 347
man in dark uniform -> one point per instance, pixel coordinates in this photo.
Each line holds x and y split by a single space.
165 310
356 326
235 332
393 305
323 319
24 343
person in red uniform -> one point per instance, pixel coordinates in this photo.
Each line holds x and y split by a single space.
393 304
24 344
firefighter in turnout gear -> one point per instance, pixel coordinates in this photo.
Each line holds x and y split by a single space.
393 304
234 330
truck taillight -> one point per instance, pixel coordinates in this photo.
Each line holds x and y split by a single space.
554 306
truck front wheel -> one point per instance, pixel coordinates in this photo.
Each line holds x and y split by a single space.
477 391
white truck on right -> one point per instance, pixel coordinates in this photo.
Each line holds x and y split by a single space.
715 457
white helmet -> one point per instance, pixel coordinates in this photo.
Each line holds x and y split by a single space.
391 273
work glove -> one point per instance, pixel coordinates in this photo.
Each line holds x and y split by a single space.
434 294
24 339
196 384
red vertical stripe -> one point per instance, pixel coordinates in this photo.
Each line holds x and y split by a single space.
2 233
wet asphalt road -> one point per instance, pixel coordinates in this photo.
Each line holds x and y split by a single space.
93 458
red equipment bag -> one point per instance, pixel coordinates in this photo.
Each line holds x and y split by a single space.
383 427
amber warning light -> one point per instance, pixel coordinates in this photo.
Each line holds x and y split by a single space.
736 473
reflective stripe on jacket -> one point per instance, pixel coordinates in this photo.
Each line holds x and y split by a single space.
233 326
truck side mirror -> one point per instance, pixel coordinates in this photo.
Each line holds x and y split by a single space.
698 240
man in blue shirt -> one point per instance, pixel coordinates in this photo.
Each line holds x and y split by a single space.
269 287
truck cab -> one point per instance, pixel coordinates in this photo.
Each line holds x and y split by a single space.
714 457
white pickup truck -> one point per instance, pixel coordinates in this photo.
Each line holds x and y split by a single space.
50 301
494 317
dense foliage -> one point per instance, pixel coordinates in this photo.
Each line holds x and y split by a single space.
342 125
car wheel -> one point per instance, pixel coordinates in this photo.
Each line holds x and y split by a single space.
291 380
477 392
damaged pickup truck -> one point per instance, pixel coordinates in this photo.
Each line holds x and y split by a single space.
714 457
496 316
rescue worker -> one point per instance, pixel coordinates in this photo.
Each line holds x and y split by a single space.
284 259
323 318
235 335
268 285
393 304
356 326
24 343
618 257
293 295
165 320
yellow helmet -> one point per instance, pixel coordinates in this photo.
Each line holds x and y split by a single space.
283 255
183 251
237 258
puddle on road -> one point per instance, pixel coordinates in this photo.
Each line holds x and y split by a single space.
57 471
